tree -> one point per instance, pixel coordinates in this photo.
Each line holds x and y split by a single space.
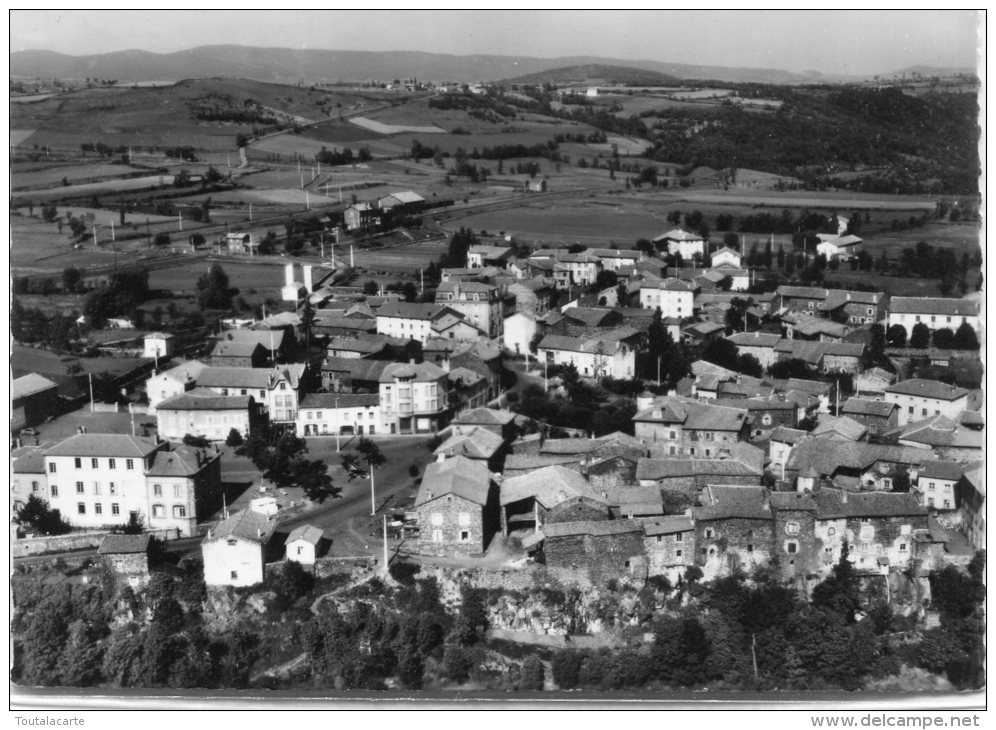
234 438
161 239
182 179
212 289
308 318
369 452
531 673
943 338
876 343
722 352
41 517
72 279
896 336
197 442
370 288
290 582
965 338
920 338
839 591
749 365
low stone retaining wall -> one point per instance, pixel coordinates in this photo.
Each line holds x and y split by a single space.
28 546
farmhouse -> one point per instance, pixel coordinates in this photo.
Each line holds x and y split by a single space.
361 215
686 426
201 412
688 245
407 320
547 495
759 344
158 344
934 312
534 296
919 398
457 508
605 549
878 416
936 484
481 256
404 200
726 255
670 546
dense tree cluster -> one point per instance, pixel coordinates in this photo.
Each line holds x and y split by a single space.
281 456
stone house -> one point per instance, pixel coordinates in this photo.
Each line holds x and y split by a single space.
677 241
474 443
533 296
326 414
611 471
781 442
605 548
457 508
688 427
499 422
936 484
127 556
238 354
547 495
876 415
628 501
971 495
670 546
794 544
733 529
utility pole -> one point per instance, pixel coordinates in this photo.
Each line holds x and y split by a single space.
250 211
337 429
385 541
112 231
90 377
179 217
95 235
373 502
658 371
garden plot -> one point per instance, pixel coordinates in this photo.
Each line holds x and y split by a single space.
382 128
20 136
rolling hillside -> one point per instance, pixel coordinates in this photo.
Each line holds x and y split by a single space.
312 65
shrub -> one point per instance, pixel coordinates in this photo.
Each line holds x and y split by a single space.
404 573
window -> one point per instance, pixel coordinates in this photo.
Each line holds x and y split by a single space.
672 435
232 542
35 487
262 394
791 547
831 531
791 528
112 488
79 487
437 518
677 553
437 535
947 504
158 510
115 509
112 464
98 508
902 547
157 490
911 410
708 533
677 538
766 420
96 487
81 508
235 575
464 519
179 511
55 490
78 462
244 392
178 490
750 548
464 535
94 463
129 464
660 539
865 547
930 486
51 467
282 386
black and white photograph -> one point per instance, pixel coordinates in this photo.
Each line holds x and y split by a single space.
498 359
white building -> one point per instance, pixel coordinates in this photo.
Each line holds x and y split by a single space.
520 329
201 412
234 552
614 259
411 321
936 482
676 298
326 414
302 544
934 312
919 398
682 242
835 246
158 344
101 480
726 255
414 397
593 357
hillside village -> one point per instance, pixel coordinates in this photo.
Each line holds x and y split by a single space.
732 465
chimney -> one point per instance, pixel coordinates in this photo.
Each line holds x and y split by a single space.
440 457
445 363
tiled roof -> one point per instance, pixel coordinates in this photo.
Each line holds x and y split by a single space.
923 388
477 443
791 501
124 544
515 463
464 377
405 196
816 326
693 414
550 486
941 431
668 525
867 407
941 470
724 502
465 286
104 444
802 292
31 461
179 461
262 337
307 533
837 298
673 467
612 253
678 235
826 456
247 524
934 305
421 372
593 316
29 385
186 372
459 476
754 339
485 416
838 503
255 378
625 494
356 368
787 435
839 427
202 399
595 528
579 344
339 400
411 310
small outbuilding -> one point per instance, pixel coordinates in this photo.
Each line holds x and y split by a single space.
304 544
127 556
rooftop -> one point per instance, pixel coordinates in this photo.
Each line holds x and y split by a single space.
202 399
868 407
124 544
476 443
549 486
466 478
595 528
485 416
104 444
339 400
724 502
247 524
668 525
421 372
924 388
307 533
677 234
838 503
934 305
29 385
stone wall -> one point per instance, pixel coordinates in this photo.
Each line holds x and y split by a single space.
613 472
724 545
72 541
798 528
663 553
451 516
604 557
579 509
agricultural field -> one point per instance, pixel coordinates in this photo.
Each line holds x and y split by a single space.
382 128
20 136
106 187
399 261
807 199
31 175
291 145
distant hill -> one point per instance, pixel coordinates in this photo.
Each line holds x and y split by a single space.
932 71
600 73
312 65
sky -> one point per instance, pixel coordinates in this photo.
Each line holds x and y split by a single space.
837 42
